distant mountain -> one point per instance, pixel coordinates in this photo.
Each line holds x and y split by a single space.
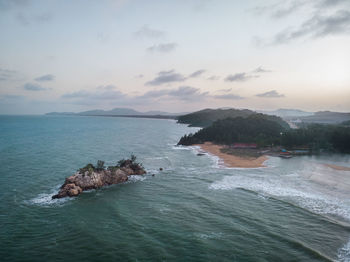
326 117
287 113
116 112
60 113
206 117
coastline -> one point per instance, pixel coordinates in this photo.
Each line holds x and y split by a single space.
338 168
230 160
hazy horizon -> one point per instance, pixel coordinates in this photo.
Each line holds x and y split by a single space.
174 56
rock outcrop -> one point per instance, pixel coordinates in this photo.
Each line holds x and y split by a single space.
92 178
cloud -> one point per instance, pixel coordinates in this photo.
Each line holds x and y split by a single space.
6 5
106 87
197 73
34 87
165 77
146 31
181 93
240 77
98 94
213 78
271 94
12 97
261 70
317 26
331 3
25 19
139 76
327 17
162 48
6 74
225 90
229 97
45 78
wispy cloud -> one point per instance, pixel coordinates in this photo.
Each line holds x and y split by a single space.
106 87
225 90
45 78
327 17
34 87
25 19
213 78
162 48
240 77
197 73
229 97
271 94
106 95
98 94
146 31
185 93
261 70
6 74
317 26
165 77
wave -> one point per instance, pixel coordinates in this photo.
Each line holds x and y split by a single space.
45 199
313 201
136 178
344 253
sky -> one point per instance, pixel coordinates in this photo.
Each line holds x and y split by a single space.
174 55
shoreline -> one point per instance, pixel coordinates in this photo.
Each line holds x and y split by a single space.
230 160
338 168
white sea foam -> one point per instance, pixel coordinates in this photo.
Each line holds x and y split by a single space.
211 235
344 253
293 191
176 147
136 178
45 199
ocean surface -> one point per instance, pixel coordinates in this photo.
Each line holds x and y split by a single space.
193 210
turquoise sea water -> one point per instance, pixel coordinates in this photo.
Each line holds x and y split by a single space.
194 210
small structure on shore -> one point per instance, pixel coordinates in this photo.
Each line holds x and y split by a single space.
244 146
285 154
91 177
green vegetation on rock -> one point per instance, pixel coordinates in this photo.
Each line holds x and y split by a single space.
206 117
257 129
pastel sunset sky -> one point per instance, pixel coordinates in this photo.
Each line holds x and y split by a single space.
174 55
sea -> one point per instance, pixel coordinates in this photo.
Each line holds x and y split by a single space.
195 209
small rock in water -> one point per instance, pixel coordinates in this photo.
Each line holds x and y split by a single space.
91 177
161 169
200 154
153 174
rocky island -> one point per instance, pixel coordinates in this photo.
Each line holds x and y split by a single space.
91 177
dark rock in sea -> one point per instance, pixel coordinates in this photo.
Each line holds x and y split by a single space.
160 169
90 177
200 154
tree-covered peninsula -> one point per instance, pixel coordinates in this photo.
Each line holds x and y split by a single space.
264 132
206 117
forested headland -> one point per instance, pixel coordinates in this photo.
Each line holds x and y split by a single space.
265 132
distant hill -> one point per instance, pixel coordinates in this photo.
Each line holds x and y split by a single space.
286 113
116 112
326 117
60 113
206 117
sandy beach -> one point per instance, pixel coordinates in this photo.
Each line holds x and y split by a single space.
232 160
339 168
